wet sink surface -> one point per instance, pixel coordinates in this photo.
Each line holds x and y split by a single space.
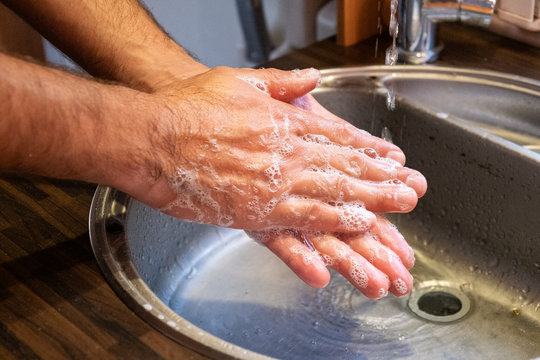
476 236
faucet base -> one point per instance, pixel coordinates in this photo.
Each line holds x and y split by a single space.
418 57
418 21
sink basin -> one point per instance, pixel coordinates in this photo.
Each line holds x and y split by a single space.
476 236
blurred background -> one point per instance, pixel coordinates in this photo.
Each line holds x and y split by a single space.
246 33
223 32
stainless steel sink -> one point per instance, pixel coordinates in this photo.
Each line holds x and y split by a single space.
476 236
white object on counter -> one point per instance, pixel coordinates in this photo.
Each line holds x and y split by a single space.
523 13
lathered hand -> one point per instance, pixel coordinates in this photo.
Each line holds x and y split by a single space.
375 262
229 150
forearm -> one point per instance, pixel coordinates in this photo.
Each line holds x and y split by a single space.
55 124
115 40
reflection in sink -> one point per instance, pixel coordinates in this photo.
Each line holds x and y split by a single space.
476 231
504 105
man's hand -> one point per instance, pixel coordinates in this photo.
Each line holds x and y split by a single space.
230 151
375 262
218 146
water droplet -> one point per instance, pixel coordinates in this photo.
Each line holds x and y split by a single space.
390 100
391 56
494 261
171 323
192 273
466 287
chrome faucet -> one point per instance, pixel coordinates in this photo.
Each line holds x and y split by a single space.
417 24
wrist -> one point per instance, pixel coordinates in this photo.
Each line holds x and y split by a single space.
151 71
140 139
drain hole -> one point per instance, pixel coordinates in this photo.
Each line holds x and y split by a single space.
439 303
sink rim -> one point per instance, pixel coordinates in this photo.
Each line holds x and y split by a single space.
122 276
436 72
383 74
110 206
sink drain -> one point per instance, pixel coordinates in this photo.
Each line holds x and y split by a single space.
439 301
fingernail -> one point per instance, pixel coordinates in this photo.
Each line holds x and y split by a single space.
406 198
308 73
397 156
418 182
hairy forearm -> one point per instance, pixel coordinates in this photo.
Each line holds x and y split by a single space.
56 124
110 39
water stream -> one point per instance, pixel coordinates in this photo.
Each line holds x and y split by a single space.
391 53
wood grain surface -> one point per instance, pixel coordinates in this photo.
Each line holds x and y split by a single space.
54 302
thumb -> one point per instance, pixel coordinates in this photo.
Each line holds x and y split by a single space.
288 85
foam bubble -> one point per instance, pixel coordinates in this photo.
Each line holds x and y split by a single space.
191 193
225 221
285 149
319 139
308 258
354 217
270 205
358 275
274 175
253 205
400 286
263 236
255 82
327 260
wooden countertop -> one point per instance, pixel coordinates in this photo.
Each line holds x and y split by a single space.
54 302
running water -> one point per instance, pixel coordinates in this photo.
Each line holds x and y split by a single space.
386 135
379 28
391 53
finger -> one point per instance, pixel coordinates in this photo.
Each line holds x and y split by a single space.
356 269
306 264
390 237
392 196
342 132
313 215
360 163
283 85
383 259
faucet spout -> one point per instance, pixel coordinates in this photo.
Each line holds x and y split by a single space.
417 24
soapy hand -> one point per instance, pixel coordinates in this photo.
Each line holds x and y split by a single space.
232 152
375 262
